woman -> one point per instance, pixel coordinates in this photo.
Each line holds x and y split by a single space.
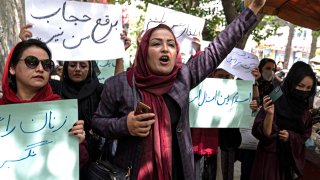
268 81
80 82
25 79
282 127
158 145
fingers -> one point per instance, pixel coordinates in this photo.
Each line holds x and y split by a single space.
25 33
254 105
268 105
283 135
145 116
255 72
140 125
267 101
78 130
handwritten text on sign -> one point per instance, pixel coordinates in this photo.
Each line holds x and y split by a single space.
35 143
184 26
220 103
107 68
77 30
240 63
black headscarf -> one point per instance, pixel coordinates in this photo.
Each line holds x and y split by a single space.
265 87
87 92
289 110
289 113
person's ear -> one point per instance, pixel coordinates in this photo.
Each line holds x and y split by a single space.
12 70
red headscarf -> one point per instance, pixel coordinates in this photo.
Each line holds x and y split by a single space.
157 146
10 97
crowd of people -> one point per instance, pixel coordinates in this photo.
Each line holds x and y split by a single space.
160 144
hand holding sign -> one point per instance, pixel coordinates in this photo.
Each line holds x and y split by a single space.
240 63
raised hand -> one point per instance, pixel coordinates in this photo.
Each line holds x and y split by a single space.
256 73
268 105
256 5
25 33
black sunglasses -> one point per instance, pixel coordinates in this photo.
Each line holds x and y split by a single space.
32 62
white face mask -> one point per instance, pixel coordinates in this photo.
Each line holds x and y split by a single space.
268 75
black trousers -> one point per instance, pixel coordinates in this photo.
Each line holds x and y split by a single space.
205 167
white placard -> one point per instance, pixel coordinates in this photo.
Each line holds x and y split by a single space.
248 140
184 26
77 30
240 63
220 103
35 142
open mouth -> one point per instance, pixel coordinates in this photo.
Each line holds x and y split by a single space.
164 59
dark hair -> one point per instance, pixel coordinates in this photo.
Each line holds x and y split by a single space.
264 61
298 71
93 70
17 53
23 45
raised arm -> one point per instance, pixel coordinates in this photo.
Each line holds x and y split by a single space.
207 61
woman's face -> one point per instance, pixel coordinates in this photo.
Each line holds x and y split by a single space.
268 71
162 52
27 78
306 84
269 66
221 74
78 70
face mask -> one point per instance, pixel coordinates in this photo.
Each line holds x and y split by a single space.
267 75
301 95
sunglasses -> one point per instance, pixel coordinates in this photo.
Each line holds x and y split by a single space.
33 62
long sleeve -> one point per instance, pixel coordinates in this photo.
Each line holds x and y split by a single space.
297 142
83 154
110 118
265 142
208 60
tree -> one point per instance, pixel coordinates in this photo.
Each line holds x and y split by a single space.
288 47
315 36
231 9
11 17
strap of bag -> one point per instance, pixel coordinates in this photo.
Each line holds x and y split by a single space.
107 164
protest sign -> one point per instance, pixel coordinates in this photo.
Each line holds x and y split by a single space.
35 142
220 103
248 140
107 68
184 26
77 30
240 63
